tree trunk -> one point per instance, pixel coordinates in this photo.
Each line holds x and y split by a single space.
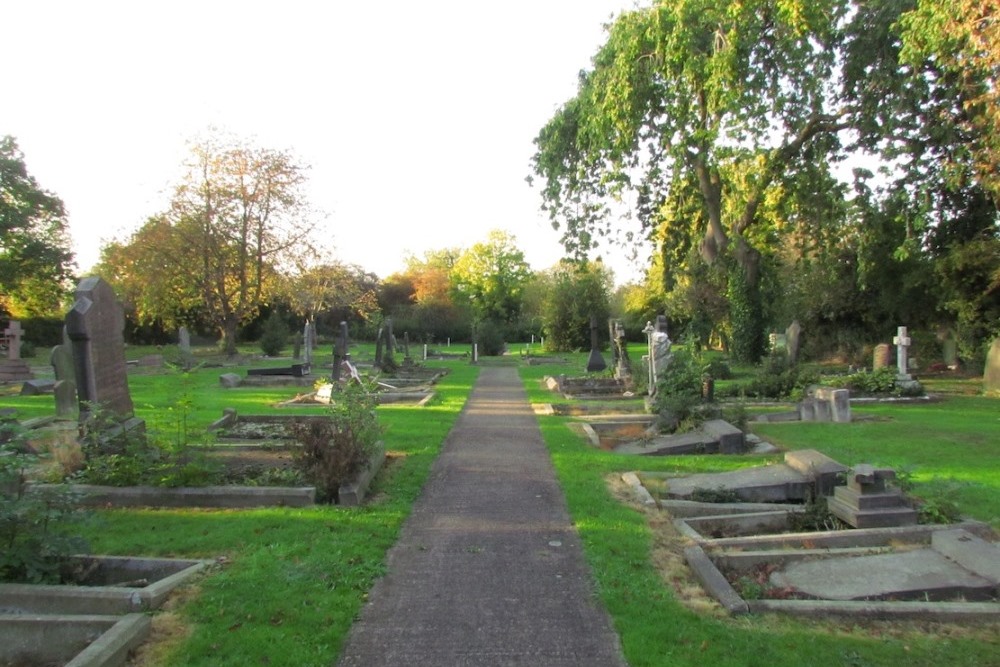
229 328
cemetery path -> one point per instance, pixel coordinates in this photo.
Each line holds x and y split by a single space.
488 569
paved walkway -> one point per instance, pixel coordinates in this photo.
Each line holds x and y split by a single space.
488 569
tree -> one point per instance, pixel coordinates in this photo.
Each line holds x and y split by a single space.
238 219
492 275
713 103
577 292
331 287
36 263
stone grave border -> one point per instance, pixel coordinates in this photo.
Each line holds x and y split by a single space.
692 518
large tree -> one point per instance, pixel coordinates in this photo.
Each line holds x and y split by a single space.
492 275
238 218
36 263
714 103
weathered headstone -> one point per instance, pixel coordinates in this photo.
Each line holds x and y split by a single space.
61 359
340 353
882 356
949 350
13 367
307 344
792 341
595 363
623 365
991 372
95 326
184 345
867 501
902 342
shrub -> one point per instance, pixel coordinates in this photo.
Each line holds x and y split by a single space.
337 447
274 335
678 391
717 369
36 527
776 378
490 338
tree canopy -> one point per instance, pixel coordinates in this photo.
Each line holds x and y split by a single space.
238 218
36 263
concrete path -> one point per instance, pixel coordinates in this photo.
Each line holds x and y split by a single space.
488 569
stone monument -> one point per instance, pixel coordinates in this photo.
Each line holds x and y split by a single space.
340 353
595 363
902 342
792 341
991 372
184 345
12 367
882 356
623 365
95 326
659 355
64 390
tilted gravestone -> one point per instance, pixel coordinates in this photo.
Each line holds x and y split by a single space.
65 387
991 372
95 326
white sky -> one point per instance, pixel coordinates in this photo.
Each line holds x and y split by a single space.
417 118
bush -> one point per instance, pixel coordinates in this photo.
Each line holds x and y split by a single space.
274 335
490 338
718 369
337 447
35 528
776 378
678 391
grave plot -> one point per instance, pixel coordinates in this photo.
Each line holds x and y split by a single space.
762 550
95 622
639 435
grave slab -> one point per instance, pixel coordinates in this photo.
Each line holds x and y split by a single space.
922 574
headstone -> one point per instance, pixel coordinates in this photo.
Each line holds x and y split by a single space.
882 356
12 335
96 326
230 380
595 363
61 359
867 502
991 373
184 345
792 341
949 350
340 353
12 367
307 344
902 342
623 365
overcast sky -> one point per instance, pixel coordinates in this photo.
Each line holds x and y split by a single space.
417 118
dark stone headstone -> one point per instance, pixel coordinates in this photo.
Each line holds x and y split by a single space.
596 362
95 326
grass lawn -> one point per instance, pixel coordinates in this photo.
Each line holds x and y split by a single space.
289 582
641 582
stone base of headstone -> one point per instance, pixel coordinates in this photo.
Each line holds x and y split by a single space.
119 435
867 502
826 404
15 370
37 387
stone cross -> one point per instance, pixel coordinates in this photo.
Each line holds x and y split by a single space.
13 334
902 343
596 362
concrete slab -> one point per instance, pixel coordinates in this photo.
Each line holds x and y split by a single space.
773 483
923 574
70 640
971 552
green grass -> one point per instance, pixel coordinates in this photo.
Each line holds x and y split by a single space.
289 581
657 629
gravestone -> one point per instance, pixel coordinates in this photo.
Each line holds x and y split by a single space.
95 326
949 347
991 372
385 346
868 502
184 345
595 363
658 357
623 365
792 341
307 344
61 359
340 353
12 367
882 356
902 342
